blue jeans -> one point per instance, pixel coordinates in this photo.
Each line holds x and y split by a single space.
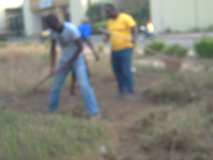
86 90
122 64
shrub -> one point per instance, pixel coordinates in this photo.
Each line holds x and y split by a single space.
209 28
204 47
3 41
98 26
96 12
176 50
143 14
154 47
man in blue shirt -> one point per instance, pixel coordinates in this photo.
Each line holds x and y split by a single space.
68 37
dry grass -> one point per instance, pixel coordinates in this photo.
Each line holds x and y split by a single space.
178 122
181 88
173 120
169 133
48 137
22 65
26 133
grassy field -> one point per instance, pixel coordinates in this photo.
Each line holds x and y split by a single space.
170 117
37 136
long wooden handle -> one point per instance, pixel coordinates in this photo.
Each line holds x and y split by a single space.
37 85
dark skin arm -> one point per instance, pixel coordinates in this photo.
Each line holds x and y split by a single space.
79 46
106 35
134 35
90 45
53 56
72 84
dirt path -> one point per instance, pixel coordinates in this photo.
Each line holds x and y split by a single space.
119 113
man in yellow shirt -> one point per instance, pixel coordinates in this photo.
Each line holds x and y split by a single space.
121 33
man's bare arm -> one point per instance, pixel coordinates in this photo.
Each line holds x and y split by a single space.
134 35
79 46
53 55
90 45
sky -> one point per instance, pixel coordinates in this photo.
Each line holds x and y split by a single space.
11 3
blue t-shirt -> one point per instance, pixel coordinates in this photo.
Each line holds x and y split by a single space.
66 40
85 30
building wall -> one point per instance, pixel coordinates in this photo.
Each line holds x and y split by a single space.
129 6
2 20
181 15
32 14
5 4
78 10
32 21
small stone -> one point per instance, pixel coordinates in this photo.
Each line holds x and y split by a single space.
103 149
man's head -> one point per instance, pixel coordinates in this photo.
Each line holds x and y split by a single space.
53 22
111 11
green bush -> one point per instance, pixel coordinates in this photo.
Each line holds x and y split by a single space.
3 41
154 47
204 47
209 28
159 47
176 50
98 26
96 12
143 14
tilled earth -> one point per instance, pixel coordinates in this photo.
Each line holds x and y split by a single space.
21 71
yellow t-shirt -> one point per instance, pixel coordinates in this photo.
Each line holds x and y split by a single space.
120 30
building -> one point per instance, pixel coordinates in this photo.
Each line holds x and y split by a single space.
25 17
14 21
181 15
9 11
34 11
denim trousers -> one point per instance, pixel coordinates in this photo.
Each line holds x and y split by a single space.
87 93
121 65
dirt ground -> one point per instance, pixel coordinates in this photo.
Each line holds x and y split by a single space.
22 68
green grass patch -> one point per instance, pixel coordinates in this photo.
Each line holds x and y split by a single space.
47 137
157 47
176 50
154 47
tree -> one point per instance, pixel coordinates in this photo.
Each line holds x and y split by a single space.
140 9
96 11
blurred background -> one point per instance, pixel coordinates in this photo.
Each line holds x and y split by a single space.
24 17
169 118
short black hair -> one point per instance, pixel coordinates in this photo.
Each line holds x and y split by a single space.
110 7
51 19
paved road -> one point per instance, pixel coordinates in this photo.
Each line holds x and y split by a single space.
186 40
